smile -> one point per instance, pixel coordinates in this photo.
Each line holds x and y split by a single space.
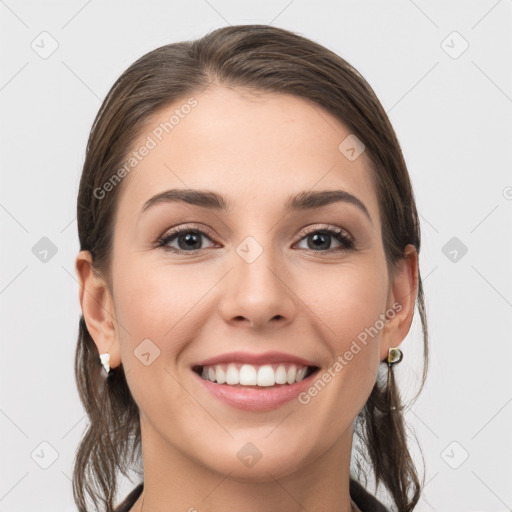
266 375
255 382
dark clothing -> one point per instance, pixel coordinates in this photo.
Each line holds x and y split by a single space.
130 500
361 497
364 500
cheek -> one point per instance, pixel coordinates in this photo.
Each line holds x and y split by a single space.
154 302
160 308
348 299
156 309
349 302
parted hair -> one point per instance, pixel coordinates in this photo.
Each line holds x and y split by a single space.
265 59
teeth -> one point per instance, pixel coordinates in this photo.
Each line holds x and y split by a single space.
281 374
300 374
266 376
232 375
290 376
248 376
252 375
220 375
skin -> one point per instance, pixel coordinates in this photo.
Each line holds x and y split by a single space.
256 150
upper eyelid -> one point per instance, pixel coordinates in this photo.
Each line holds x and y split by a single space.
328 227
184 228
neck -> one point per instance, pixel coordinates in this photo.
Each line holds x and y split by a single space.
174 479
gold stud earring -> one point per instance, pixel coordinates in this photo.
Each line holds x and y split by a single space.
395 355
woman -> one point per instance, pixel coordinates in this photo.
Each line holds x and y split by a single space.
248 268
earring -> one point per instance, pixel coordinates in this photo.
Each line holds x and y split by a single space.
395 355
105 360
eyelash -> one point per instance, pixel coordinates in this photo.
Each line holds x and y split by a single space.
340 234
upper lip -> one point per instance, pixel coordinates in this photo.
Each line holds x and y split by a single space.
256 359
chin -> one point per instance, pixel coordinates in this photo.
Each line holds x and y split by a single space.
258 461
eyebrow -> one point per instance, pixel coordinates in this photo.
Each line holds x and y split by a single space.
303 201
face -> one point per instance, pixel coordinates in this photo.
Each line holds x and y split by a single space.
253 286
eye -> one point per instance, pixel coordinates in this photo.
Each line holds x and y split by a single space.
188 240
319 240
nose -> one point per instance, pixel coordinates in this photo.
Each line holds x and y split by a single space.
258 293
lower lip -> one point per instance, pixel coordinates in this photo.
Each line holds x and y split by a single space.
250 399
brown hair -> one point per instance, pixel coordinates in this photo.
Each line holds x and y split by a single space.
261 58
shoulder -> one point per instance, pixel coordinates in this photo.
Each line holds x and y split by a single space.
365 501
130 500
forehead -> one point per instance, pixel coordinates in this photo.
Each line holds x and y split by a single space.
256 149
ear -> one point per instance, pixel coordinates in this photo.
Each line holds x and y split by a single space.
401 301
97 308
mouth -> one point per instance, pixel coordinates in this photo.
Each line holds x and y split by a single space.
255 376
254 382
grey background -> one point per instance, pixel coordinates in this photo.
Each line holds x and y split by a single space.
452 114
